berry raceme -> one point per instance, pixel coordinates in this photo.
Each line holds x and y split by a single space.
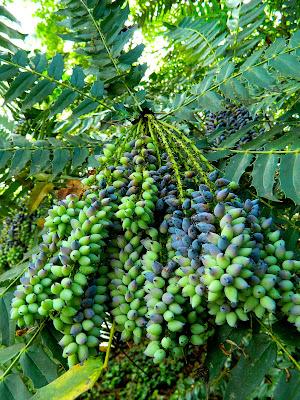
162 245
230 120
17 237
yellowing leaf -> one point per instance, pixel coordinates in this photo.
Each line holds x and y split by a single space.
72 383
38 193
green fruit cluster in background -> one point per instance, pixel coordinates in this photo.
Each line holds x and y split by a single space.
17 237
162 245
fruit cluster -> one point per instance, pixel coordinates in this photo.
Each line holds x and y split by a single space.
162 245
229 121
17 237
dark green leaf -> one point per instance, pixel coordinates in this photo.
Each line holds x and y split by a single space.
22 82
40 62
13 388
7 326
60 158
37 365
66 98
97 89
79 156
250 370
38 93
4 158
20 58
237 166
290 176
20 159
288 388
263 174
7 72
56 67
77 78
50 338
85 107
39 160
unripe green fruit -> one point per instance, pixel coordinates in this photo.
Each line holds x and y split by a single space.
215 286
241 314
70 349
220 318
154 329
259 311
197 329
83 352
166 342
151 348
259 291
183 340
23 310
92 341
197 340
175 308
87 325
231 319
66 294
268 303
159 356
250 304
168 316
81 338
175 325
31 298
231 293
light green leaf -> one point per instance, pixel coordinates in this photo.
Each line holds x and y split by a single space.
290 176
276 47
259 76
251 60
263 174
12 273
288 65
8 353
13 388
237 166
73 383
38 366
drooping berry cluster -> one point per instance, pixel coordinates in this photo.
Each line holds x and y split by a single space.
162 245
